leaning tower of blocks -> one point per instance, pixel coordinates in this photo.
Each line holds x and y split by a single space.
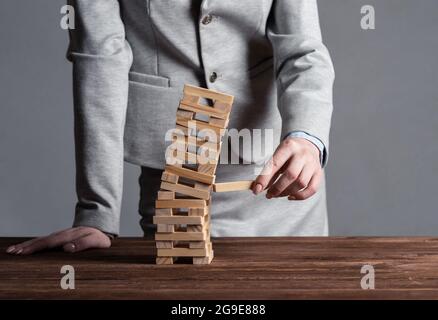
182 208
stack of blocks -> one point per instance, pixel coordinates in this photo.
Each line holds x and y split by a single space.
182 213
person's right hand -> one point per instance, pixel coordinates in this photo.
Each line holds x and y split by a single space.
71 240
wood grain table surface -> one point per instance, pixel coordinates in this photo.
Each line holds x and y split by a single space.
243 268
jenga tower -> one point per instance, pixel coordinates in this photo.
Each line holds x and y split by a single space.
182 213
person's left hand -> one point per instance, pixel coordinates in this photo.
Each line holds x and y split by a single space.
71 240
294 171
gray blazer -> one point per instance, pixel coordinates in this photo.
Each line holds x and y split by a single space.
131 59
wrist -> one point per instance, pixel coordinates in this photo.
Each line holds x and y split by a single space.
314 141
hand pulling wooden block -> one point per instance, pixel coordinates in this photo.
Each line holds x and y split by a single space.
232 186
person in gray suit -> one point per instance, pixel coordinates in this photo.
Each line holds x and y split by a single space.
131 59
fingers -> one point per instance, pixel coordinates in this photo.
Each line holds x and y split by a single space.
291 175
296 164
311 189
72 240
54 240
273 179
15 249
92 240
301 182
48 242
272 168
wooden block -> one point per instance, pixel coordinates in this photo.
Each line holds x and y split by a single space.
166 195
206 217
164 260
185 157
178 220
203 186
209 111
193 158
181 236
204 260
218 122
209 154
186 131
186 190
199 125
200 212
198 244
209 136
206 220
182 143
180 203
207 168
202 117
190 174
164 244
165 228
169 177
191 98
163 212
185 114
208 93
223 123
195 228
182 252
232 186
225 107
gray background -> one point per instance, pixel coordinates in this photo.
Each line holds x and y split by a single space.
383 169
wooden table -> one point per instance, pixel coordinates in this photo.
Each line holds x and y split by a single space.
243 268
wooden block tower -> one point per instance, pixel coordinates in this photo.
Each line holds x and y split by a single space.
182 213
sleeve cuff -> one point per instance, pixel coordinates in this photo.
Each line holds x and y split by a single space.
103 221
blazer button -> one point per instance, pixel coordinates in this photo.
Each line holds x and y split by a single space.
207 19
213 77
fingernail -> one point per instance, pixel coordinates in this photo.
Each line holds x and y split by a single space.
19 251
258 188
269 196
292 198
10 249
